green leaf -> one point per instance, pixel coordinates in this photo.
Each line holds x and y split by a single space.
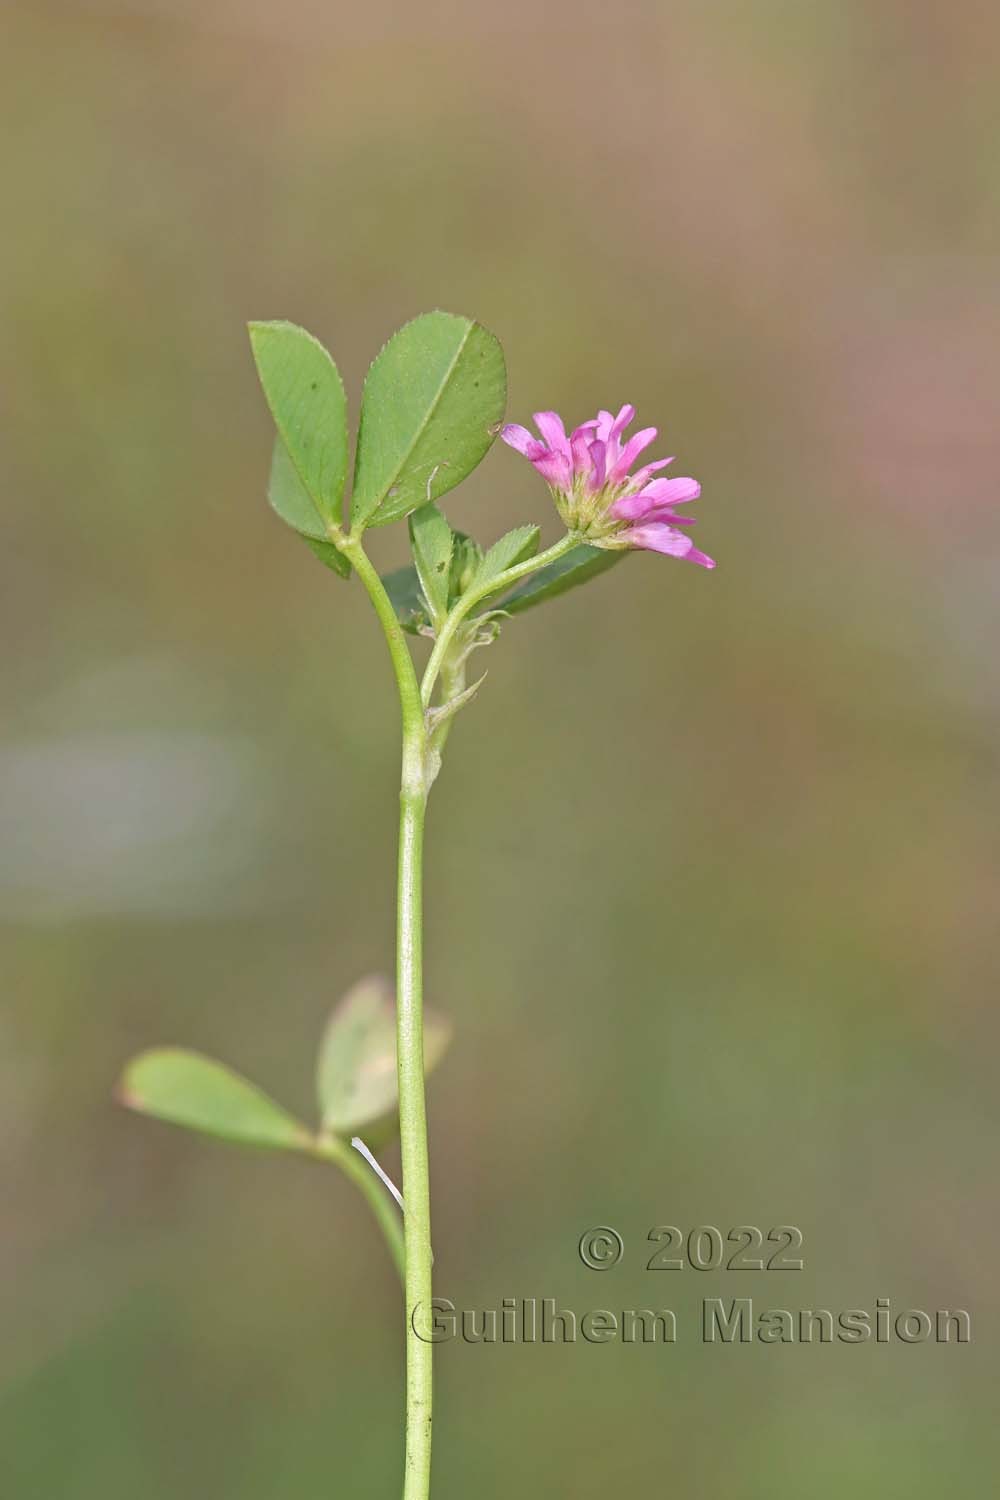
330 555
517 546
433 402
289 498
407 598
356 1068
578 566
306 397
431 539
186 1088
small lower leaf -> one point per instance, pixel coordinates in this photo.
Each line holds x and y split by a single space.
356 1067
578 566
187 1088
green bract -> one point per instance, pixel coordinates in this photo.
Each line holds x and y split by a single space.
433 402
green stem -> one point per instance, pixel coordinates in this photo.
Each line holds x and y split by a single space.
413 699
468 602
409 1033
413 1133
402 661
385 1211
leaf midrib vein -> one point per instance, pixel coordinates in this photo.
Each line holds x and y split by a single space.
426 421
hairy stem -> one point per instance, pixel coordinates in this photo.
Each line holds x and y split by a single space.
409 1034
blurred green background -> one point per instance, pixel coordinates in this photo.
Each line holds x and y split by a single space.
711 875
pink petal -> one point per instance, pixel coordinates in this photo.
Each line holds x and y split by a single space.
631 452
598 457
519 438
622 420
631 507
579 445
668 514
661 492
641 475
678 491
555 468
550 425
659 538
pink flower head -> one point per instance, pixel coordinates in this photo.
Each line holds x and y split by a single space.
597 496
